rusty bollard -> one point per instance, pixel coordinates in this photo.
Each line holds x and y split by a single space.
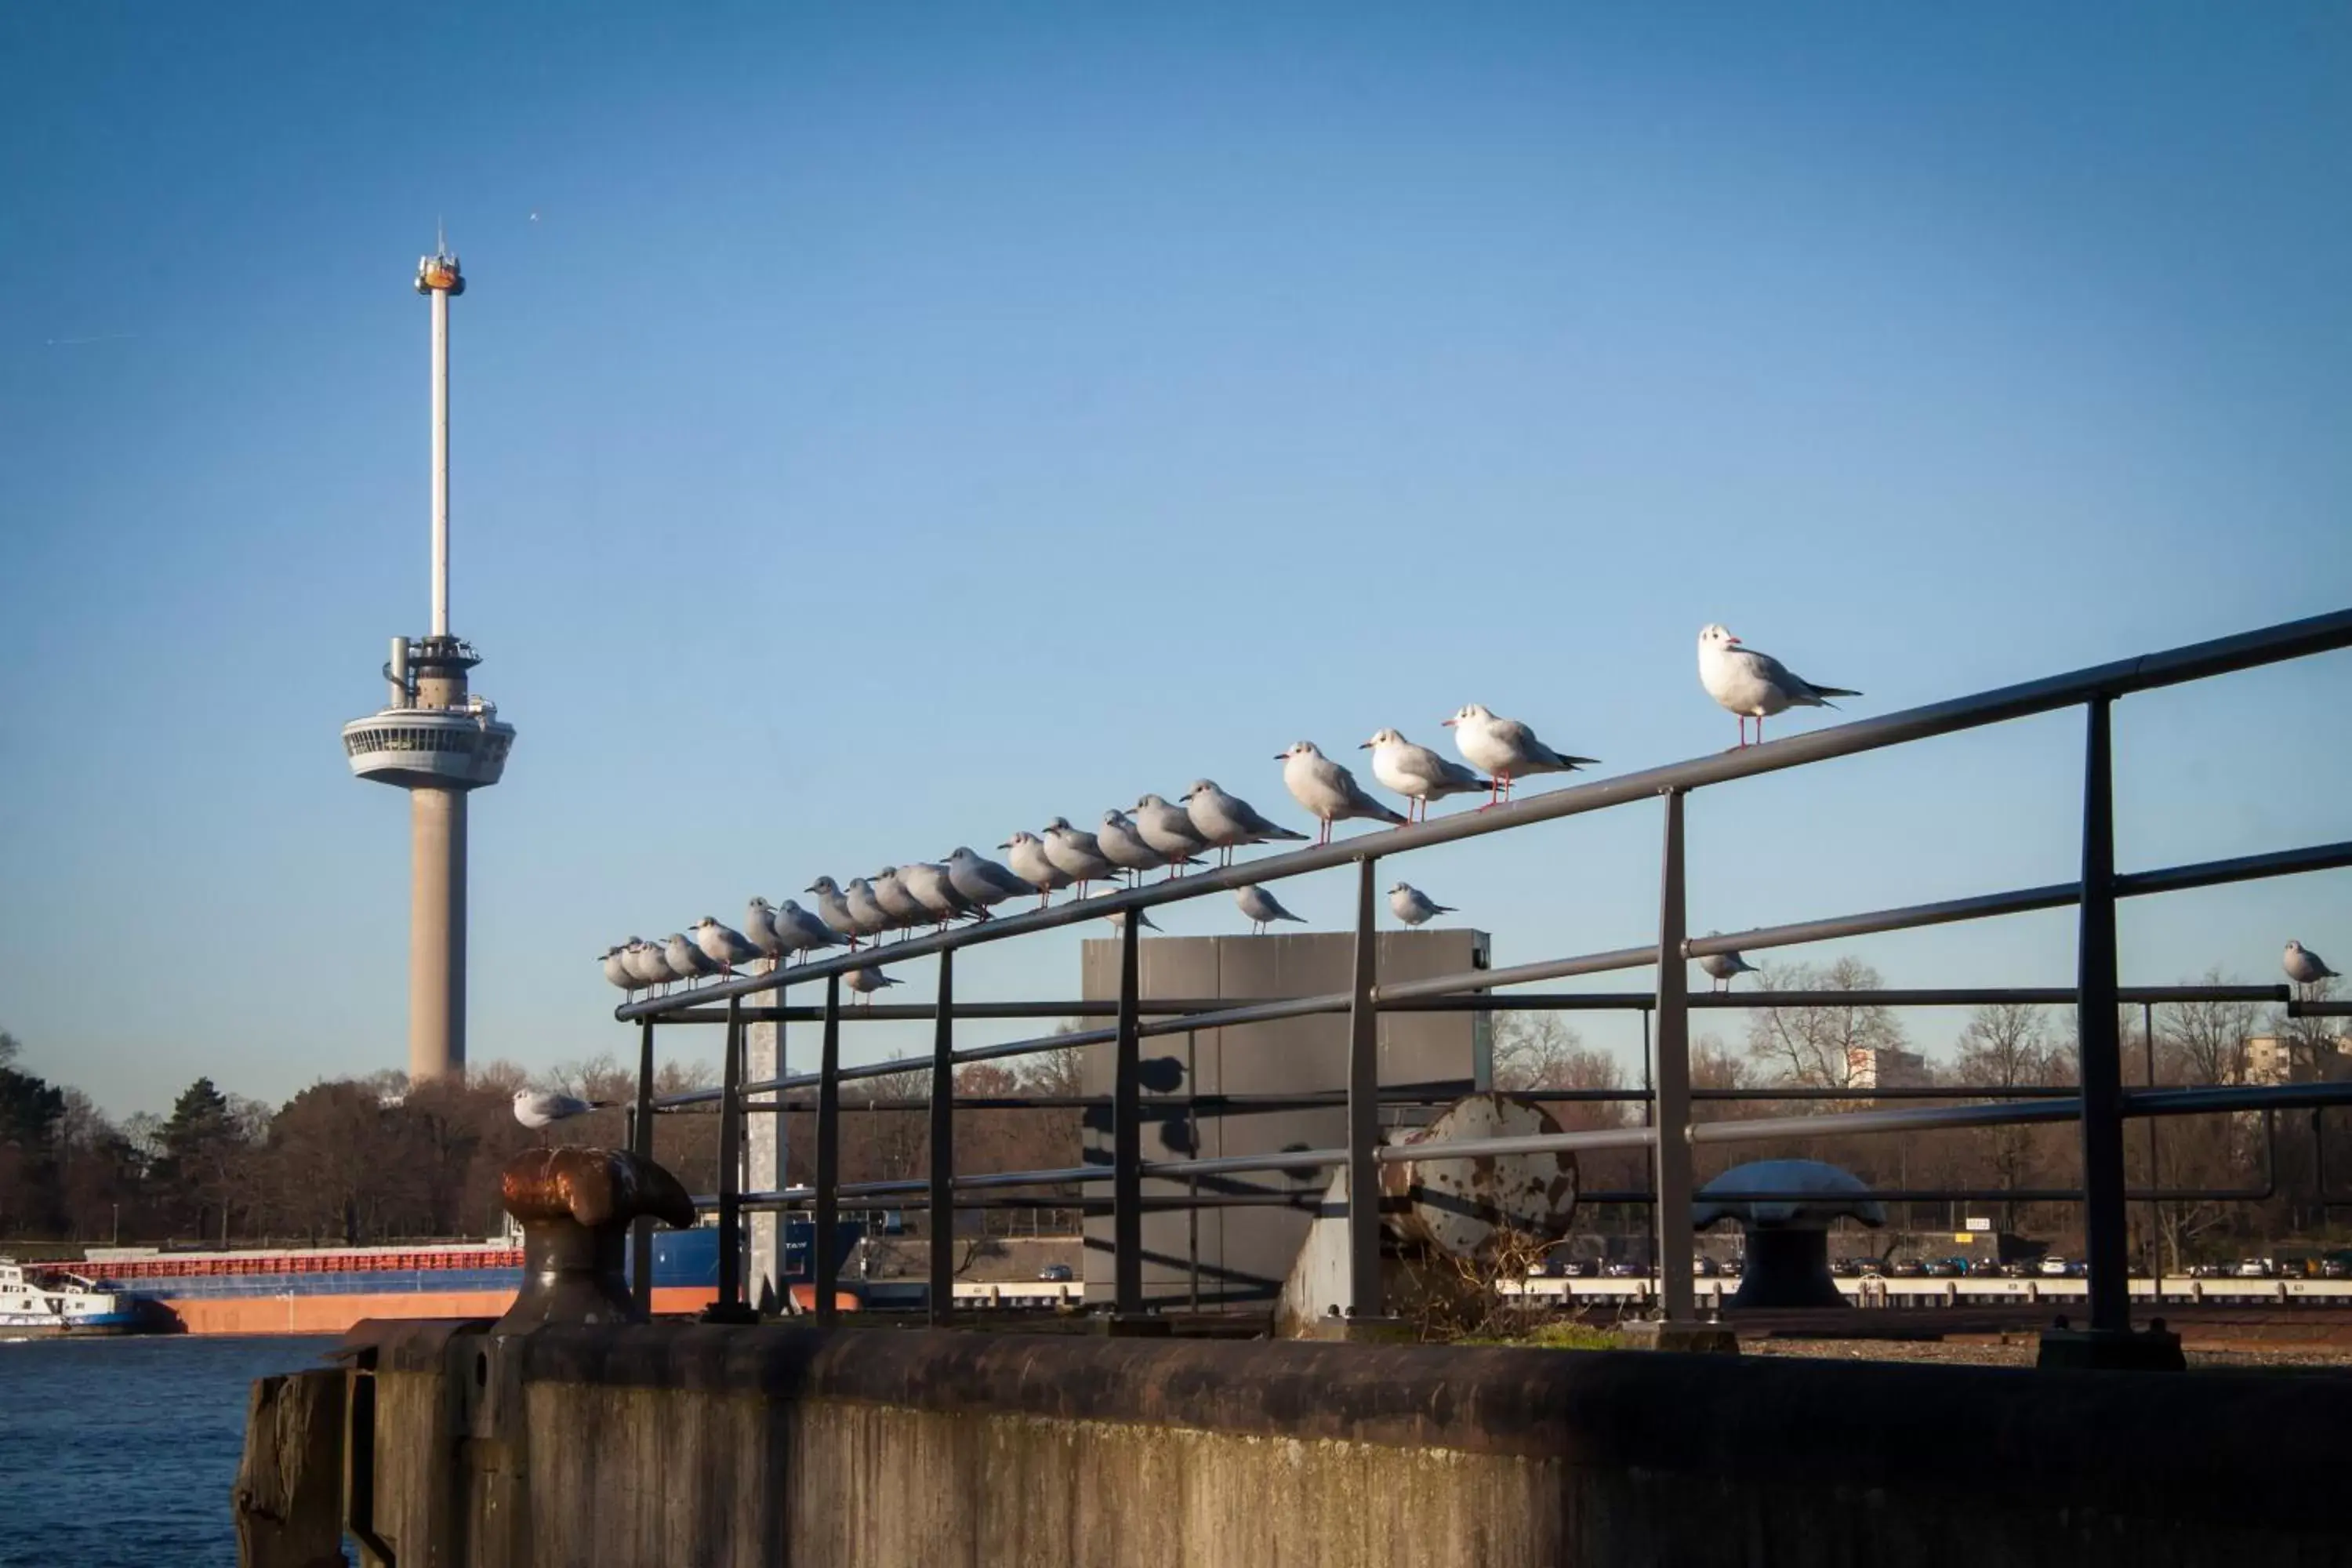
576 1206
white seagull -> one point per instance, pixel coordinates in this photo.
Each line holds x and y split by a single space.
1327 789
865 982
1414 907
723 945
1418 773
1722 966
1026 852
1262 908
536 1109
644 959
686 962
759 925
833 908
934 890
871 918
896 900
617 968
2305 967
1169 830
1123 846
799 931
984 881
1507 749
1227 821
1755 684
1077 854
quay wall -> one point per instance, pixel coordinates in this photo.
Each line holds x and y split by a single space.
906 1448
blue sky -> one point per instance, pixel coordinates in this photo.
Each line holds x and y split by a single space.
903 424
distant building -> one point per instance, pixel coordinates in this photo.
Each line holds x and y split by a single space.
2270 1059
1884 1066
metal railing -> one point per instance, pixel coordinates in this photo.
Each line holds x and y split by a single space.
2099 1103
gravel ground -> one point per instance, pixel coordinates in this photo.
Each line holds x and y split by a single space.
2020 1350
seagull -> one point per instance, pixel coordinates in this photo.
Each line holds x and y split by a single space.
616 969
898 901
799 931
1169 830
536 1109
865 982
1418 773
686 960
933 888
723 945
1121 845
759 925
1414 907
1262 908
1077 854
1227 821
1755 684
1327 789
645 961
1507 749
1722 966
982 881
2306 968
1026 852
833 908
871 919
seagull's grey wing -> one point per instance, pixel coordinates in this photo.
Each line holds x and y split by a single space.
1363 804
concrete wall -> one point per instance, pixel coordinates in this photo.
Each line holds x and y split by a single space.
910 1449
1243 1254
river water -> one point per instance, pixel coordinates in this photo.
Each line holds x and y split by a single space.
122 1451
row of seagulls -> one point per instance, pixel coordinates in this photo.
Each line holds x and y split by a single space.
1159 834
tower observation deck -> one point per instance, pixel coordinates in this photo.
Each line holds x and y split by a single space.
438 742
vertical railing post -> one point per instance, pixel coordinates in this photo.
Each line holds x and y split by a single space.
2105 1231
941 1295
2155 1181
824 1246
729 1307
1365 1297
1127 1130
641 1143
1672 1214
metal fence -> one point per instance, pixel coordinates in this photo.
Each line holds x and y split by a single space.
2099 1101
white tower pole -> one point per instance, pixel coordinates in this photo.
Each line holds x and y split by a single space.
440 462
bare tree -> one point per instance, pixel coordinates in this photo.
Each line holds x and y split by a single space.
1819 1045
2207 1039
2007 1045
2315 1047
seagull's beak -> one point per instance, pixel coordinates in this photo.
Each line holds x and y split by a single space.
1731 642
1006 844
1366 746
1449 723
1282 756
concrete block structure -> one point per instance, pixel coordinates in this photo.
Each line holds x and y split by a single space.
1229 1256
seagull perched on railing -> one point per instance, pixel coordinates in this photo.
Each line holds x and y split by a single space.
1327 789
1262 908
1169 830
865 982
1120 844
760 926
1507 749
643 960
686 962
536 1108
931 887
982 881
2306 968
1077 854
1026 853
1755 684
896 900
617 968
1227 821
799 931
723 945
833 908
871 918
1414 907
1418 773
1723 966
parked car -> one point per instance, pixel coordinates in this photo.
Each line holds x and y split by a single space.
1844 1268
2335 1268
1055 1274
2054 1266
1986 1268
1705 1267
1944 1268
2255 1268
1623 1271
1575 1269
1908 1269
2015 1272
